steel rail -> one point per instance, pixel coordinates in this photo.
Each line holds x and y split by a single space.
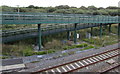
77 61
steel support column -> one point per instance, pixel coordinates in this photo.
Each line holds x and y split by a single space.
39 36
119 31
75 34
110 28
68 35
91 31
100 30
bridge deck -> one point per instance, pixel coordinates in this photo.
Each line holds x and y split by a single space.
37 18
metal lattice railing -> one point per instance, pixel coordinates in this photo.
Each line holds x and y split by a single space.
37 18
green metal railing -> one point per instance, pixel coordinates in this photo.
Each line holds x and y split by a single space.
37 18
7 33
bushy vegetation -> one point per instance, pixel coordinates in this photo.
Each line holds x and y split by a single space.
105 40
29 53
4 57
75 46
88 47
57 42
111 10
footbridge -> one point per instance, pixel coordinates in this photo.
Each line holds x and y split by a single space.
64 23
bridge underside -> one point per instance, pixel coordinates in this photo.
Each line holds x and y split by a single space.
47 32
47 18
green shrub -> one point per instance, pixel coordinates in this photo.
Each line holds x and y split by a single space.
75 46
51 51
85 44
27 52
4 57
79 46
72 47
44 52
40 52
89 47
66 47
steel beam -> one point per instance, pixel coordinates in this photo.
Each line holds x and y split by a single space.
75 34
39 36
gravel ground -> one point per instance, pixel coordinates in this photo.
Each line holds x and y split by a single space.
98 66
48 63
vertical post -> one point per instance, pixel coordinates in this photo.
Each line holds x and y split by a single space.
100 30
39 36
75 35
118 31
68 35
109 28
91 31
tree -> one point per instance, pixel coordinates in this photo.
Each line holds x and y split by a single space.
80 11
100 8
51 9
31 6
113 7
92 7
83 7
103 12
113 12
62 7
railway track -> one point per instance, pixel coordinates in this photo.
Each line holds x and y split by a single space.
80 63
107 69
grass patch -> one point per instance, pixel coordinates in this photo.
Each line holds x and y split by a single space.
104 41
75 46
34 61
88 47
4 57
